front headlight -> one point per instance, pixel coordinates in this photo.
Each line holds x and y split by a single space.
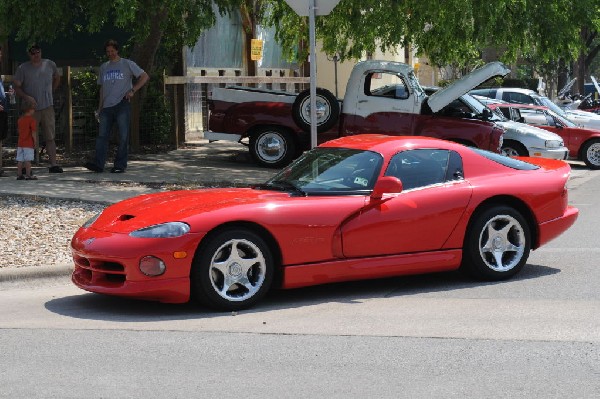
554 143
165 230
91 220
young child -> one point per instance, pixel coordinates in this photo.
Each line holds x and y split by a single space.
28 141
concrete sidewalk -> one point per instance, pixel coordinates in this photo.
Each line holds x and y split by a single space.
200 163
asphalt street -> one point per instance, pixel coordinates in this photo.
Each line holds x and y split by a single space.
431 336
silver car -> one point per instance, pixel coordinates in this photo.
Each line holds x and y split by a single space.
521 139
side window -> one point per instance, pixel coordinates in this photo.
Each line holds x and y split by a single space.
517 98
382 84
423 167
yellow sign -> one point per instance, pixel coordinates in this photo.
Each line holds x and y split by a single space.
256 49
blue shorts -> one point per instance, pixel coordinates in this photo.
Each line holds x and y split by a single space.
25 154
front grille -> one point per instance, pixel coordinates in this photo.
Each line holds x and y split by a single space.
98 272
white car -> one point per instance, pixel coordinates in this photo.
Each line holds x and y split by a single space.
517 95
521 139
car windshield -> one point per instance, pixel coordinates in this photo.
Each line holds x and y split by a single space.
562 119
479 107
414 82
546 102
329 171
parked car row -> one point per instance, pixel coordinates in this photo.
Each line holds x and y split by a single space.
582 143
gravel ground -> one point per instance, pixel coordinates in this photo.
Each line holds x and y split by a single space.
37 231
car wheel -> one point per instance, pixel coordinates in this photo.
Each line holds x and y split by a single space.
590 154
232 270
272 147
512 148
328 110
497 244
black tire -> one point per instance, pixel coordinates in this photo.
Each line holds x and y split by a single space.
273 147
227 280
328 110
503 255
512 148
590 154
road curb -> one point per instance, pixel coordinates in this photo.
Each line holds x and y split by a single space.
34 272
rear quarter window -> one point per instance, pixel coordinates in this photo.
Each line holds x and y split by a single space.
504 160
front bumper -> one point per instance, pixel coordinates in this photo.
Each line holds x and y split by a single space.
108 263
561 153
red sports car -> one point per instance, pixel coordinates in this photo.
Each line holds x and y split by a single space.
360 207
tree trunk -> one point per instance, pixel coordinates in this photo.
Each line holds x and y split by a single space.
143 54
248 12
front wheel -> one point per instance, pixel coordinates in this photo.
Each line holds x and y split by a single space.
272 147
590 154
512 148
497 244
233 270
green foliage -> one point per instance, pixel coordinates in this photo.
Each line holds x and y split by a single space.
85 84
156 118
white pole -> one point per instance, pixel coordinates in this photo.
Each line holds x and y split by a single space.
313 75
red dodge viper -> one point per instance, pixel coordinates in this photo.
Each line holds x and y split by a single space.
361 207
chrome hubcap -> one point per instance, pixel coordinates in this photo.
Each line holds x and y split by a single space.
237 270
271 147
502 243
322 110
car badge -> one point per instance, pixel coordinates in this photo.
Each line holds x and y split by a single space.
89 241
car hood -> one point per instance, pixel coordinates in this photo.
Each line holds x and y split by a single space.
585 119
468 82
514 130
151 209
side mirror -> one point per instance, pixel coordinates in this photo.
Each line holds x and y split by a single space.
386 184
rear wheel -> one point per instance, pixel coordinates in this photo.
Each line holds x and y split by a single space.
233 270
512 148
590 154
273 147
497 244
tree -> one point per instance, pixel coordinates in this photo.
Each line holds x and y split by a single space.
152 23
452 32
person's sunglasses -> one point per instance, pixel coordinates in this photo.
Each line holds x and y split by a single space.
33 52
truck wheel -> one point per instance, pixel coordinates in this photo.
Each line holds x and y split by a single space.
512 148
590 154
272 147
328 110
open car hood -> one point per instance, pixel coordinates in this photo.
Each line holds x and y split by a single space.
445 96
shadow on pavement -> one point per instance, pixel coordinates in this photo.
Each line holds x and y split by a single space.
108 308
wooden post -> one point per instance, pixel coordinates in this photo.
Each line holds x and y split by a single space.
134 137
69 107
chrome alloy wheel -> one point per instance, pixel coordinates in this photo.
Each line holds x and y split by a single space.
502 243
593 153
509 152
237 270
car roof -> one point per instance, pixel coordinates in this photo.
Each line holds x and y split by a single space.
389 145
515 105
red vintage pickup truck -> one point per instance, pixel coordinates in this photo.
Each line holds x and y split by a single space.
381 97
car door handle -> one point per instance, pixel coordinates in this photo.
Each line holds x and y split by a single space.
362 101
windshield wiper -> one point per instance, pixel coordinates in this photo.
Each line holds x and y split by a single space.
281 185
